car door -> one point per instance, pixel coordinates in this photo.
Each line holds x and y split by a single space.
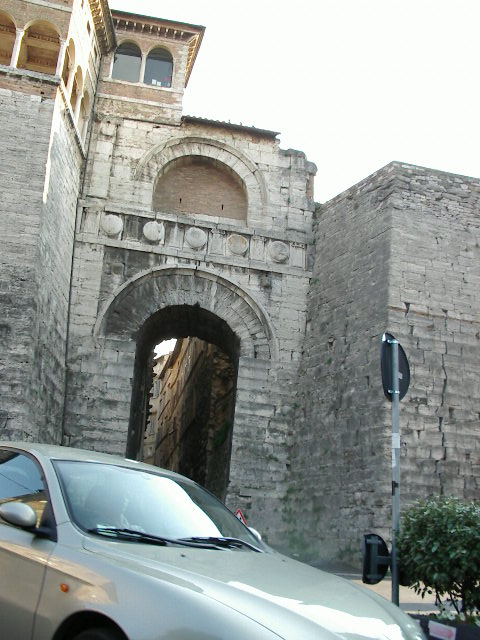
23 555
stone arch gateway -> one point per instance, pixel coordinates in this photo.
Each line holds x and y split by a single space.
236 282
181 302
108 389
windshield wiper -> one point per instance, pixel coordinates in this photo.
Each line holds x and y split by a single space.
230 543
147 538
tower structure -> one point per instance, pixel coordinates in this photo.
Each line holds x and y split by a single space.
50 59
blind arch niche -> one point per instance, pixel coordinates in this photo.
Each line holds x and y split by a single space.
200 185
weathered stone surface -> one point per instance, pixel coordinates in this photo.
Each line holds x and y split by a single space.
391 256
100 261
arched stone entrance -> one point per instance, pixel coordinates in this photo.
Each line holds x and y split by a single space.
141 297
177 302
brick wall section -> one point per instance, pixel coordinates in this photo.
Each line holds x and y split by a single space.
201 187
155 103
23 12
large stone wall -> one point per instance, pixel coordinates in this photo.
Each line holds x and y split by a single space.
37 222
397 253
340 463
23 174
56 236
434 310
42 159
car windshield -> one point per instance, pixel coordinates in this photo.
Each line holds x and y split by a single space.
115 497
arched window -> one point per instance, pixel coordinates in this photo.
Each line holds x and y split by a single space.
77 89
7 38
159 68
126 63
68 65
84 115
40 48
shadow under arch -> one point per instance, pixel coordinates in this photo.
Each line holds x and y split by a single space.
183 321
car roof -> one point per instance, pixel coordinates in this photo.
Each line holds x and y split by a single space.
59 452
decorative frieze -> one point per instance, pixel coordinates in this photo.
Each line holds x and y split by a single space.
278 251
179 237
238 245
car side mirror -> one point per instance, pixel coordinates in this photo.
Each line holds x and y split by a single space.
18 514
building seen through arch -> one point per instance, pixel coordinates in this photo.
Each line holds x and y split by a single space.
190 422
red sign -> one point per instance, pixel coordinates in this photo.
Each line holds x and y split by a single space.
240 516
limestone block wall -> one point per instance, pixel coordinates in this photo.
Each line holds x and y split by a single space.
62 183
399 253
22 178
434 309
341 464
40 184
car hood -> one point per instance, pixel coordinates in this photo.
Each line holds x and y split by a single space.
290 598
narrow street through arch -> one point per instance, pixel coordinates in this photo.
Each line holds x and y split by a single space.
183 402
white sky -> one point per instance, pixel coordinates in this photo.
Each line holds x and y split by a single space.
167 346
354 84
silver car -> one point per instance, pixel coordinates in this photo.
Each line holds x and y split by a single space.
95 547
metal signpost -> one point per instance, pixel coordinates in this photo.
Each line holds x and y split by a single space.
395 468
396 380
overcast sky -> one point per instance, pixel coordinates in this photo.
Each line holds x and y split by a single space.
354 84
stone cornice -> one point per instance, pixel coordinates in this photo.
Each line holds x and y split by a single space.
102 19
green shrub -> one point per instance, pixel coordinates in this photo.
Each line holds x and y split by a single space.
438 549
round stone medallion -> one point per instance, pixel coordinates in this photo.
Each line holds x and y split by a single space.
112 225
279 251
196 238
237 245
154 231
